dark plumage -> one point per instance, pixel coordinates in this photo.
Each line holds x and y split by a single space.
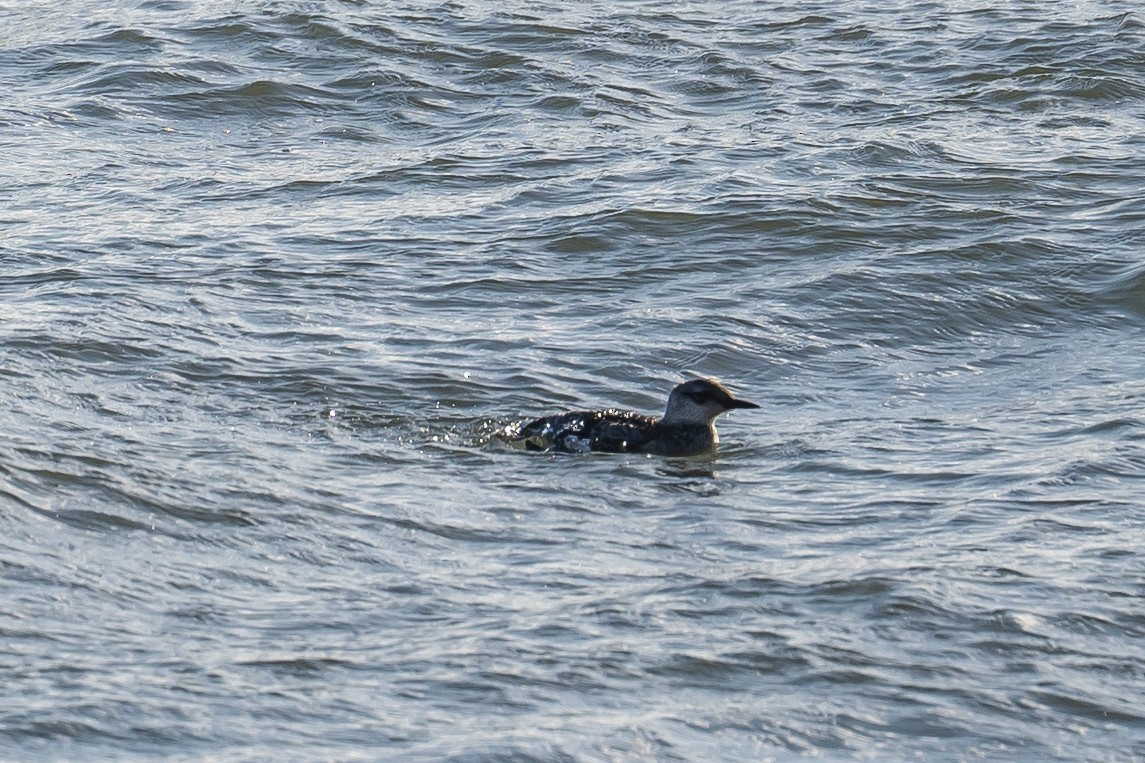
687 427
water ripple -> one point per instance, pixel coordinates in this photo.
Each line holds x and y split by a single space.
277 276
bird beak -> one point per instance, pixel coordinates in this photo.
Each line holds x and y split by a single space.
741 404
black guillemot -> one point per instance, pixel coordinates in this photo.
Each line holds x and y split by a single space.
687 428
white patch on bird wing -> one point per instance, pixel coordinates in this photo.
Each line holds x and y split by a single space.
578 444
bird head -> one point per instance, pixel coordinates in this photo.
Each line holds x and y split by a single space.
700 401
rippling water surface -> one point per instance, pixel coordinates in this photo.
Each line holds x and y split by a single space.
274 273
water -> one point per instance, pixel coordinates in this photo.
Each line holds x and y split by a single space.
274 274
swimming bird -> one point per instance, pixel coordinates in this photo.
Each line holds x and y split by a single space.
688 426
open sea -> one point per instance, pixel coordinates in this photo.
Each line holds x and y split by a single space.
273 276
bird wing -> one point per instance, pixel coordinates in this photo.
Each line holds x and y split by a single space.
621 432
581 431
